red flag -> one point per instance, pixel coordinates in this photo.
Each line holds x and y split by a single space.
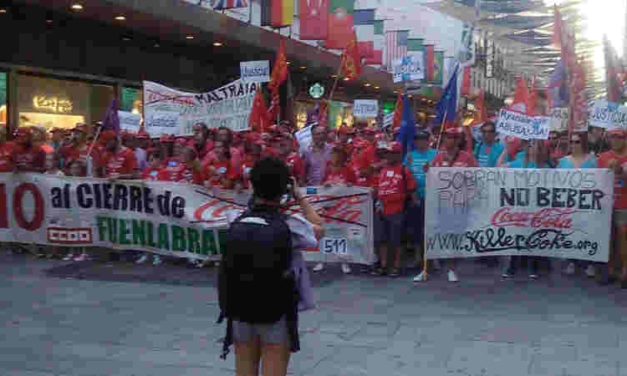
258 120
351 60
340 24
314 19
275 107
466 82
430 62
279 70
366 49
376 59
481 114
558 27
578 102
398 112
521 97
532 108
323 114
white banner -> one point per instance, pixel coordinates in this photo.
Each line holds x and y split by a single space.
560 117
162 217
365 108
607 115
170 111
409 68
304 138
535 212
517 124
129 121
255 71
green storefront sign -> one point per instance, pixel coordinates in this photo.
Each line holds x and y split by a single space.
129 96
3 88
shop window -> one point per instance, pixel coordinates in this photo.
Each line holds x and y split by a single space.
132 100
56 103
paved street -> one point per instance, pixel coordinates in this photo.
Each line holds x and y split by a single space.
121 319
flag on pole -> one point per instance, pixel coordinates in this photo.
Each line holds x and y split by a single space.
378 44
111 121
438 68
481 113
521 97
430 62
228 4
340 25
280 68
398 112
364 28
314 19
259 121
408 126
351 60
446 109
277 13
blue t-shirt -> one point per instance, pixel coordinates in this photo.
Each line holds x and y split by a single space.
415 162
488 156
567 162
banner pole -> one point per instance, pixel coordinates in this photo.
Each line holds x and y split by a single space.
441 130
337 78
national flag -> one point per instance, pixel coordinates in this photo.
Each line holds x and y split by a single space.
259 121
438 68
364 28
481 111
558 89
351 60
340 25
466 82
521 97
558 27
446 109
395 47
578 104
613 81
228 4
430 62
398 112
111 120
277 13
314 19
408 127
280 68
378 44
274 110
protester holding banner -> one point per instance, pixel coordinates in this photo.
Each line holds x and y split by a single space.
616 160
201 140
286 152
26 156
488 150
580 157
225 136
395 194
117 161
221 172
452 156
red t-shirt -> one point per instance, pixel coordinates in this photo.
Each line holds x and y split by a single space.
463 159
179 172
217 171
620 186
123 162
150 174
296 165
342 176
28 159
394 187
6 161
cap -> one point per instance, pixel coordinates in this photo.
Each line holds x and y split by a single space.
107 136
422 135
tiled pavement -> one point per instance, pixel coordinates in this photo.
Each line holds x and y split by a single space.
160 321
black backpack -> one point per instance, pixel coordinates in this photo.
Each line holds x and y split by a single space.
256 283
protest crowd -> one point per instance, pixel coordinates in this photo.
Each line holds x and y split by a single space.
361 156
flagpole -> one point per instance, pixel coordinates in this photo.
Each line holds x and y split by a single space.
441 130
337 78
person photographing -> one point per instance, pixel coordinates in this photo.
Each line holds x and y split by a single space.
260 282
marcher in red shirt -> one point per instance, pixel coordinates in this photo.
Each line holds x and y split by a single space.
225 136
616 160
221 172
155 164
253 151
395 190
294 162
452 156
201 140
117 162
27 157
338 173
363 161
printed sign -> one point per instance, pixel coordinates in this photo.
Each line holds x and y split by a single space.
365 108
255 71
560 117
409 68
167 218
304 138
517 124
170 111
607 115
129 121
511 212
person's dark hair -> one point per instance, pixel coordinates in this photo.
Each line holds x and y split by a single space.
488 124
229 132
270 177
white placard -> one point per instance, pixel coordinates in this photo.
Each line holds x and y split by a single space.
409 68
517 124
559 119
176 112
255 71
561 213
304 138
607 115
129 121
365 108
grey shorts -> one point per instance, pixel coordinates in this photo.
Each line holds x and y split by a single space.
389 229
268 334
